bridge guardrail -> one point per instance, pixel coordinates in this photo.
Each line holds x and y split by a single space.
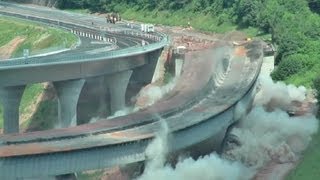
160 37
79 58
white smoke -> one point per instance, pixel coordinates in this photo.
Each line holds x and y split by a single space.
273 135
148 95
266 133
277 94
157 150
94 119
152 93
119 113
209 167
122 112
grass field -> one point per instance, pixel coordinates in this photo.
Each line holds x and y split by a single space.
309 167
38 38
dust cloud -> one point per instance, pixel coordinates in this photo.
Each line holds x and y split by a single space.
210 167
277 94
152 93
123 112
273 136
157 150
147 96
267 133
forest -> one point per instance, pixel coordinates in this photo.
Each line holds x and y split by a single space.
294 26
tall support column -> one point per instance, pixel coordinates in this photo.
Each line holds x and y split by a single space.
10 98
102 110
68 95
117 87
144 74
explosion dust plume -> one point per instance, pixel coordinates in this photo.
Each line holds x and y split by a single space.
268 132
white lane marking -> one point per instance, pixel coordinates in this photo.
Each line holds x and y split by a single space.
100 50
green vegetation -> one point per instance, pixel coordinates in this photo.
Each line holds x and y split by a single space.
180 18
44 118
37 37
28 99
316 86
90 175
29 95
309 166
46 113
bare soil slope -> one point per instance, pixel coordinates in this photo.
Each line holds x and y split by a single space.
7 50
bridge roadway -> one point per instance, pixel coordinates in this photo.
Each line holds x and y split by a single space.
215 90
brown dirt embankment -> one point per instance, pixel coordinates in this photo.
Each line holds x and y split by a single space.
7 50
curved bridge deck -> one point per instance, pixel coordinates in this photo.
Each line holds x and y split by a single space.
128 40
105 49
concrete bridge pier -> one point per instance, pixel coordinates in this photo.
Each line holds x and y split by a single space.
10 98
103 106
118 84
68 95
144 74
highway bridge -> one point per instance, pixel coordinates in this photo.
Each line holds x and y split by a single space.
68 70
216 88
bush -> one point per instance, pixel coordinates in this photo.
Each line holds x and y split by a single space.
289 66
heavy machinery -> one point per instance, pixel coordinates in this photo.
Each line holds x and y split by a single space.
113 17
